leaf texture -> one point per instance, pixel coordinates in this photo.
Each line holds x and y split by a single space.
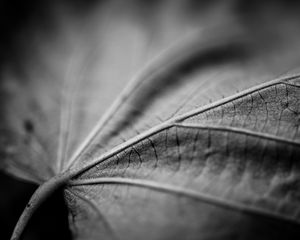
165 123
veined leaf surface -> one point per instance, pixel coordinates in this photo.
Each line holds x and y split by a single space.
158 123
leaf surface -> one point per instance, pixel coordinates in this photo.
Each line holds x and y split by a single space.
164 124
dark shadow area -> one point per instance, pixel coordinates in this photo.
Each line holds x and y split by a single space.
16 17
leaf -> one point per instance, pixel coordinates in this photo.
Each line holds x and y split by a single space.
157 123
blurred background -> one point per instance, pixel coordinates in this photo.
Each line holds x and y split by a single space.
51 221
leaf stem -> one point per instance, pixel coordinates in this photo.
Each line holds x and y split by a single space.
39 196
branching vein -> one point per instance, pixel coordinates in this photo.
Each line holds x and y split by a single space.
171 189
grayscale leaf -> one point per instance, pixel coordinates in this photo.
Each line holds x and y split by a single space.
158 122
